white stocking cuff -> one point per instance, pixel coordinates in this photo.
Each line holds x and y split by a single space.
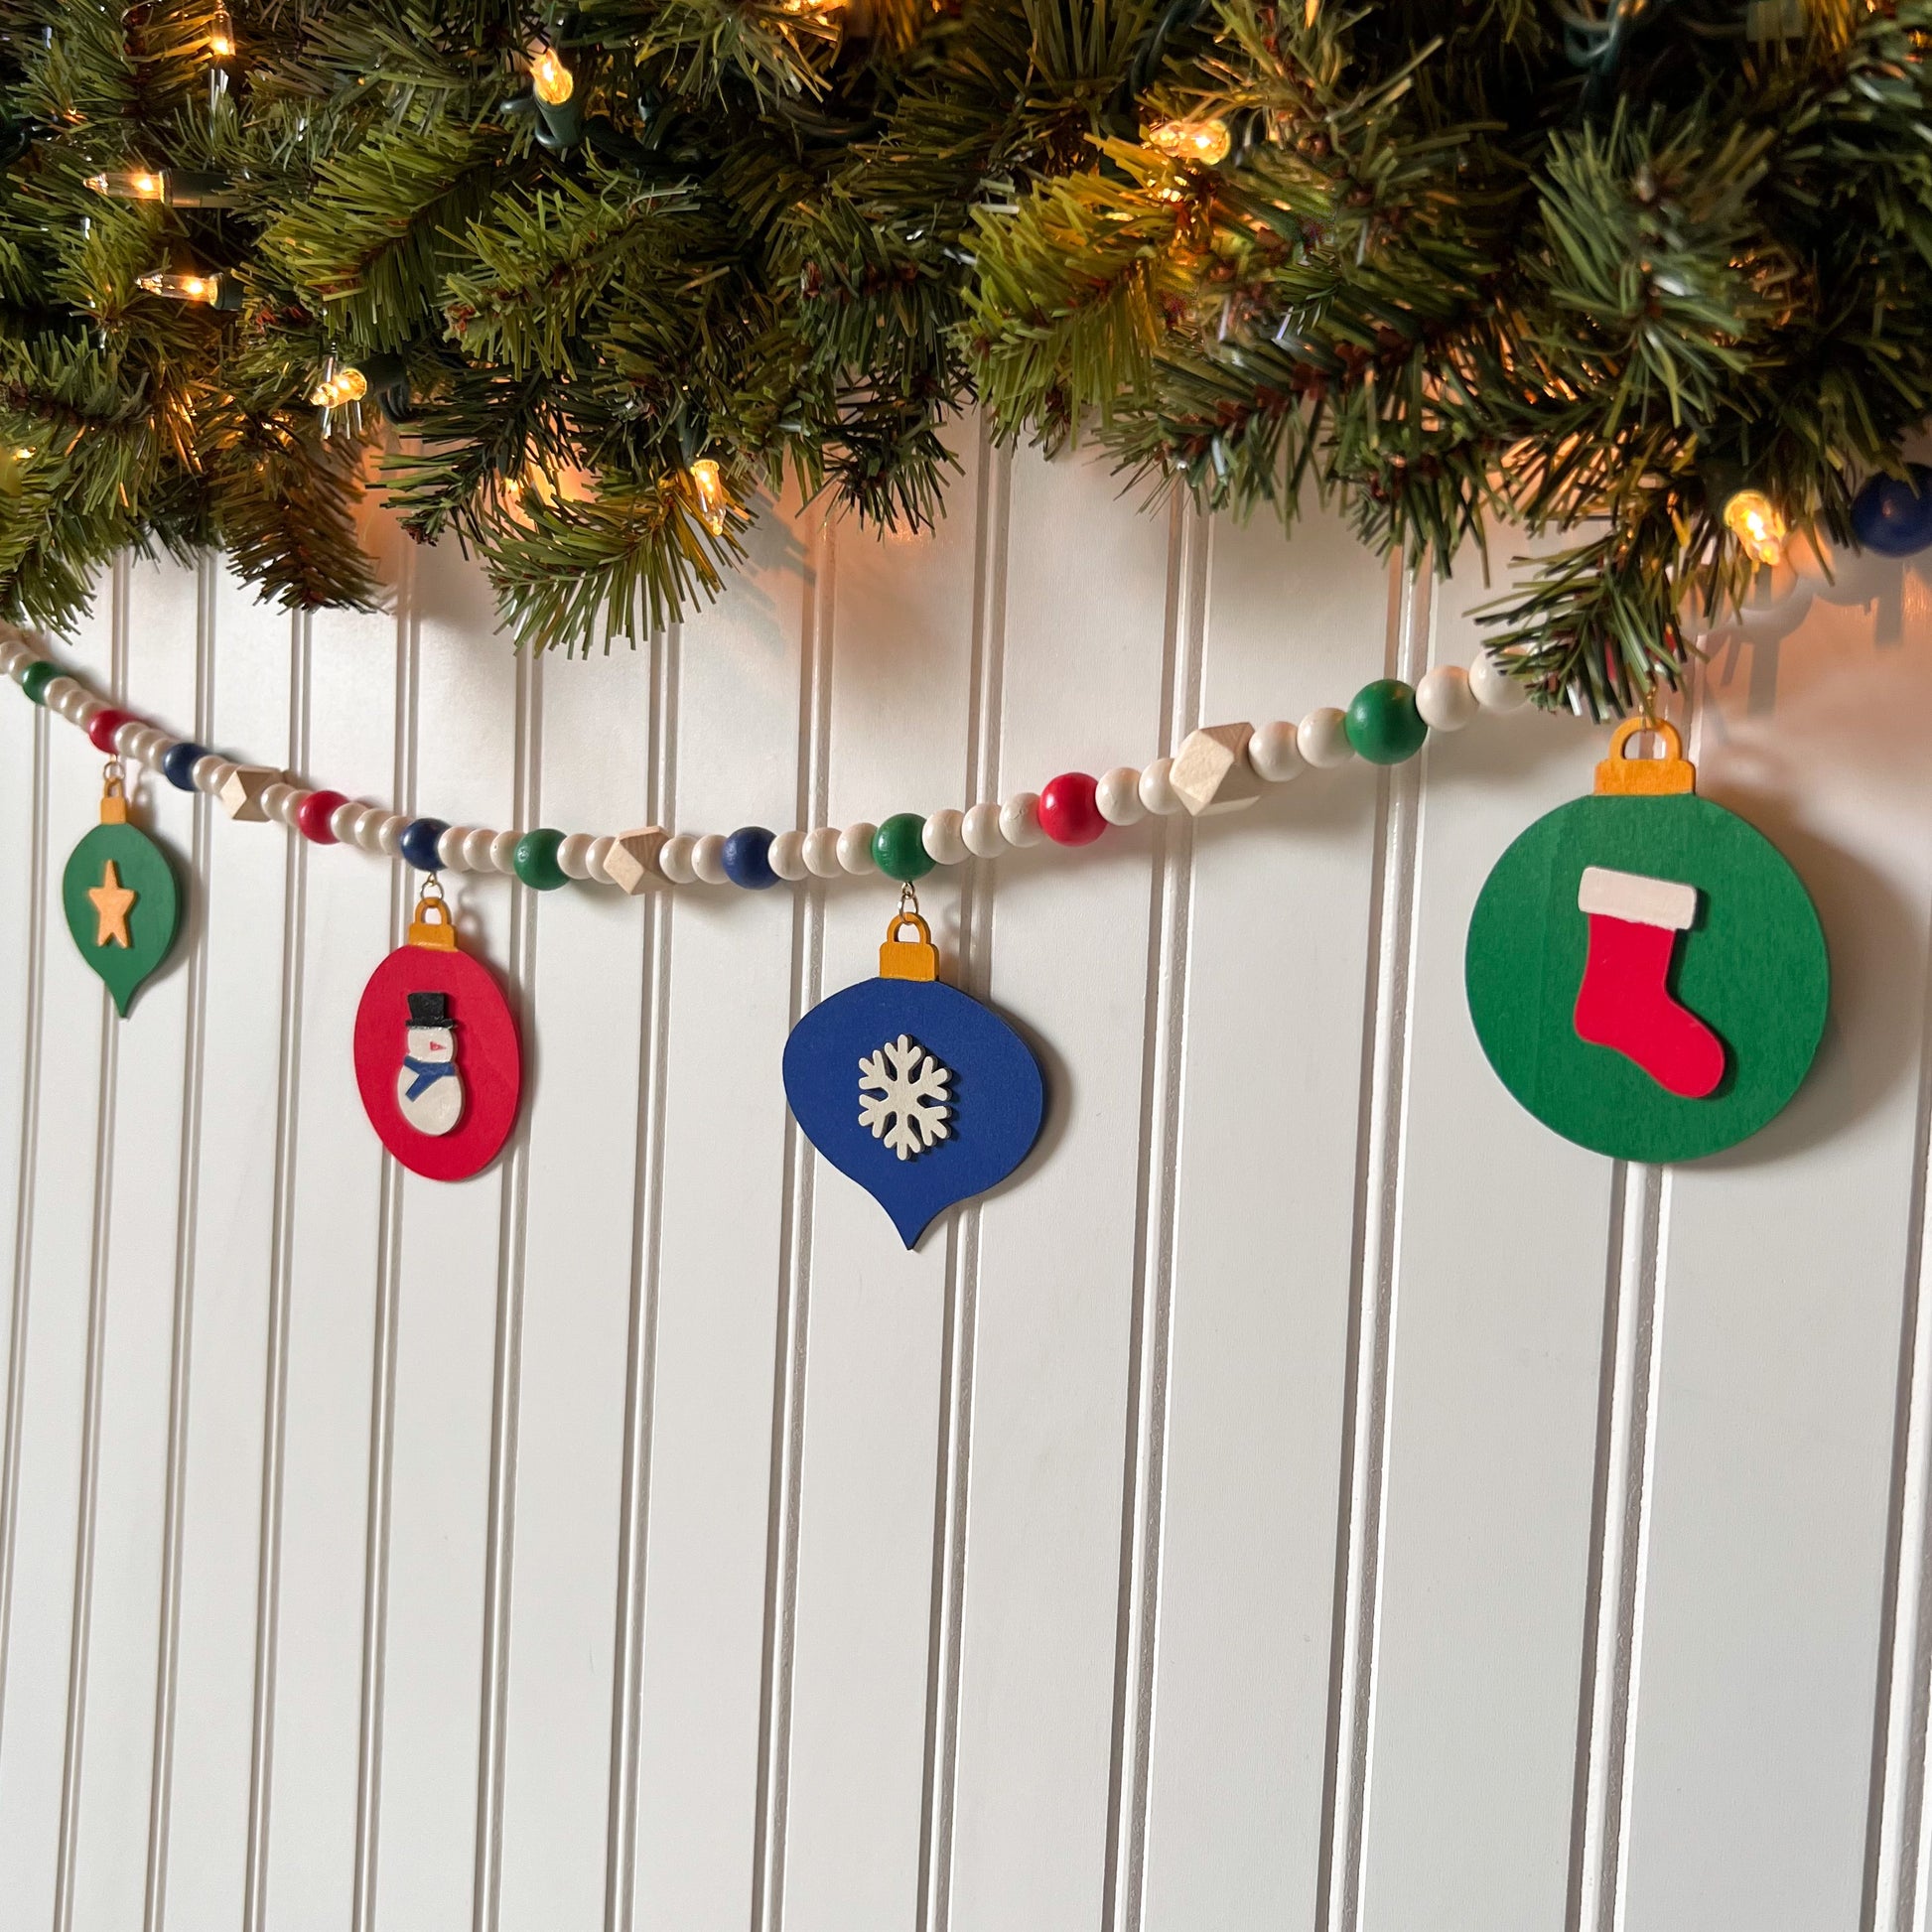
1631 896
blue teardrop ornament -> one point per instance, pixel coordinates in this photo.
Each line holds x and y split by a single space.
913 1089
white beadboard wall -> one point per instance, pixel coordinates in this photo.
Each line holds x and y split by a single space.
1311 1496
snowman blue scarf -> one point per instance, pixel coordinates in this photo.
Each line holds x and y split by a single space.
427 1073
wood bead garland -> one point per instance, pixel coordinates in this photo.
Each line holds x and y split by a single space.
1217 767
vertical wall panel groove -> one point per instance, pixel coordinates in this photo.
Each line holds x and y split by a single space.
84 1526
795 1275
501 1534
180 1337
1633 1337
382 1404
1898 1820
1157 1208
984 718
647 1240
279 1274
1373 1294
22 1242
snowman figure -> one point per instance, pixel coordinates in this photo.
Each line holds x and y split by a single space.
429 1089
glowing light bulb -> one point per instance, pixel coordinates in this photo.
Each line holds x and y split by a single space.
714 504
818 9
182 286
130 185
1207 142
220 36
551 82
339 386
172 187
1757 524
24 454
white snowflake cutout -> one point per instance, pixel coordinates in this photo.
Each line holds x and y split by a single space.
902 1098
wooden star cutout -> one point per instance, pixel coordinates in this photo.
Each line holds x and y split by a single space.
111 899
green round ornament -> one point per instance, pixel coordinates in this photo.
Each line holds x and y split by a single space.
899 847
35 679
1383 724
535 860
1646 971
119 895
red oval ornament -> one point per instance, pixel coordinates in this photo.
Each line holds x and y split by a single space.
457 998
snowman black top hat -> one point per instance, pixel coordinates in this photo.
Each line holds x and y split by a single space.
429 1010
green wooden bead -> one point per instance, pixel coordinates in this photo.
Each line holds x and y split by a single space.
899 847
36 678
535 860
1383 722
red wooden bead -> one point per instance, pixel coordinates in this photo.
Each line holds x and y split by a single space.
312 816
106 725
1067 812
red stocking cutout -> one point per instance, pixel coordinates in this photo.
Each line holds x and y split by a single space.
1624 1002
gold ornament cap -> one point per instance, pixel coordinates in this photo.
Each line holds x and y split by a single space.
908 959
1620 775
438 933
113 795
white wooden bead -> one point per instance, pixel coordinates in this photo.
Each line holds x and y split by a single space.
1495 689
944 836
287 807
155 749
821 851
1322 738
634 859
502 851
980 831
453 847
82 711
574 855
1020 819
389 829
1445 699
10 649
1157 794
368 829
269 799
855 848
480 849
1117 794
674 859
344 820
58 691
1210 772
708 859
594 861
210 773
787 855
128 737
1273 753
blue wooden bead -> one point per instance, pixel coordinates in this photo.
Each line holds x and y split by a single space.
1894 519
747 858
418 843
178 766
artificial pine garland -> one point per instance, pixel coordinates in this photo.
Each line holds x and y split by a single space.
609 273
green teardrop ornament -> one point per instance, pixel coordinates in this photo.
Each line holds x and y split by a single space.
118 893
